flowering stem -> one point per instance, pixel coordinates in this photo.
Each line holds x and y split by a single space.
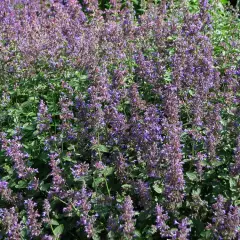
105 178
75 209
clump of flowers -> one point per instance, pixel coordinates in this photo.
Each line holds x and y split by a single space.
119 120
33 225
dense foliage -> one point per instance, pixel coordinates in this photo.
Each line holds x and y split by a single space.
119 126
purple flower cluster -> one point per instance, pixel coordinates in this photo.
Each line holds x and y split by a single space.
9 218
236 166
182 233
183 230
33 225
66 116
46 212
133 110
58 182
81 201
13 148
80 170
174 180
44 118
226 220
127 217
6 193
143 191
161 219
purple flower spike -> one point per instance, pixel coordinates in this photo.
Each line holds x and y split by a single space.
34 226
128 217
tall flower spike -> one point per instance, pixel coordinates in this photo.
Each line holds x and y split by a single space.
128 217
6 193
161 224
46 212
183 230
143 190
236 166
34 226
226 220
10 222
58 180
81 200
174 180
66 116
44 118
13 150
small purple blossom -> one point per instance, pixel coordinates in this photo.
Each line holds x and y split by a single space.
80 170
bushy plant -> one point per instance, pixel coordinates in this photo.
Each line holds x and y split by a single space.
116 125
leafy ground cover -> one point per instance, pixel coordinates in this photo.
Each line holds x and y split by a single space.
119 126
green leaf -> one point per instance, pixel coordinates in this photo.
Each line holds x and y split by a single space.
54 222
206 234
137 233
45 187
232 183
98 181
28 127
196 192
107 171
126 186
58 230
21 184
157 188
191 175
224 1
100 148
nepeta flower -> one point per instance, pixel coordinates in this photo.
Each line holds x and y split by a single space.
44 118
171 152
9 218
47 237
113 224
66 116
143 190
34 226
58 180
198 162
5 193
5 99
13 150
161 219
82 201
34 184
183 230
226 220
121 168
80 170
127 217
46 212
236 166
